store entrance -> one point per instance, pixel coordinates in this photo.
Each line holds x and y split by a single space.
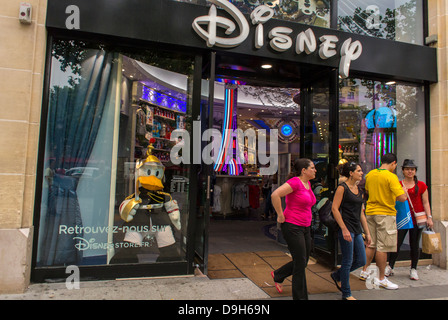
242 216
259 97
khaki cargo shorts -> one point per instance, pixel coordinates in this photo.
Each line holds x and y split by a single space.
383 231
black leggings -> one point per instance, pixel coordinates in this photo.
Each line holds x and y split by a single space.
414 241
299 244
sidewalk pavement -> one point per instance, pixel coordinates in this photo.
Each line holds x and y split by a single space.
433 285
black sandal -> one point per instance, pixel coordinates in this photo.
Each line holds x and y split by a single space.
335 281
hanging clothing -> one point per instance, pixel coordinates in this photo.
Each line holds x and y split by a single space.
216 199
141 122
240 196
254 196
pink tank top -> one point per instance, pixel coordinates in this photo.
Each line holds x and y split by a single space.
299 203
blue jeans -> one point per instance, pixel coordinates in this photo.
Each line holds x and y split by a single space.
353 257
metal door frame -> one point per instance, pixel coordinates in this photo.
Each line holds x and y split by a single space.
330 256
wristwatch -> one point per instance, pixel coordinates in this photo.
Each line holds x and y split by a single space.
430 216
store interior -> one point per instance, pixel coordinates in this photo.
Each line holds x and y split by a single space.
241 196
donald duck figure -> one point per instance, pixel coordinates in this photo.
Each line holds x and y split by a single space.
149 212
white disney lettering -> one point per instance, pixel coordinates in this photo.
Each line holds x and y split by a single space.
280 39
260 15
306 41
82 244
214 22
350 51
328 46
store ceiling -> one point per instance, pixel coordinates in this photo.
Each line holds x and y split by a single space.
248 69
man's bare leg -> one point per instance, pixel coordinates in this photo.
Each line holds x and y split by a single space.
381 261
370 253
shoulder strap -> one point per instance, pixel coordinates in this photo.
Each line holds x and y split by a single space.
407 195
344 185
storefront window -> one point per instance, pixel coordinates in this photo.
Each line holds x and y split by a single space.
311 12
105 198
388 19
376 118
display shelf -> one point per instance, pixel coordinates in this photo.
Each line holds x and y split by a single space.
161 107
162 150
165 118
164 139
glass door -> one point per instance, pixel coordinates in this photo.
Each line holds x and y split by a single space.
203 116
318 144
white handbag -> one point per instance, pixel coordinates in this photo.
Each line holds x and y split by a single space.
420 217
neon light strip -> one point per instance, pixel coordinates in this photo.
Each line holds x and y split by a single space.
374 151
219 159
382 148
393 142
378 149
228 133
389 146
228 118
232 167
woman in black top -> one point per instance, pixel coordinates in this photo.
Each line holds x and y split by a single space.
349 214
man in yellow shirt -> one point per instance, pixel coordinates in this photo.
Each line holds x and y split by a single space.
383 190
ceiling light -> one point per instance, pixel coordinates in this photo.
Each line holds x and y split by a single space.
266 66
390 82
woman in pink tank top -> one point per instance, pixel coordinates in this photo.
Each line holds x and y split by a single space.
295 223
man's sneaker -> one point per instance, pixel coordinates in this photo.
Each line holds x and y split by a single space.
413 274
364 275
386 284
389 271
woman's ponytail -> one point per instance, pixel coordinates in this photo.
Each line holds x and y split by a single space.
416 185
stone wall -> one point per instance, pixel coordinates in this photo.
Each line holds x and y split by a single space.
437 24
22 61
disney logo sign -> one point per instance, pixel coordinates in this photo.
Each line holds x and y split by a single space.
83 244
280 39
